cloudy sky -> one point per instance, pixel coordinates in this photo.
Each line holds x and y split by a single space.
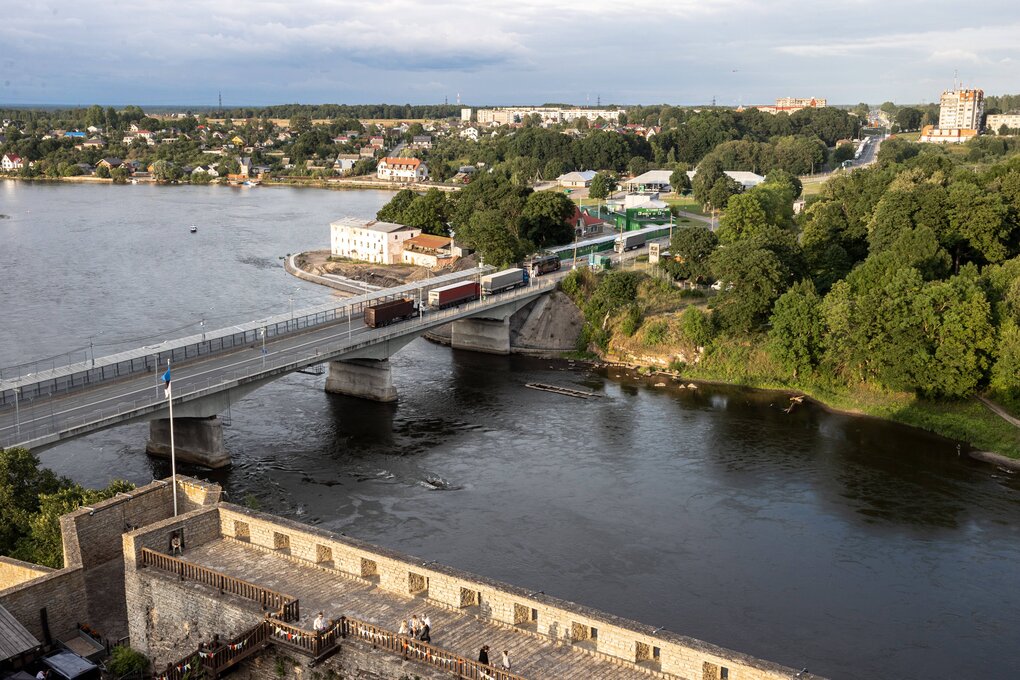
502 51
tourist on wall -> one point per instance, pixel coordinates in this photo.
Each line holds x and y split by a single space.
506 659
483 655
319 625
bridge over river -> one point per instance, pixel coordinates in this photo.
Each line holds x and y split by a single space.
41 405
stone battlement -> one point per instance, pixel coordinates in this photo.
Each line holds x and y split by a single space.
358 579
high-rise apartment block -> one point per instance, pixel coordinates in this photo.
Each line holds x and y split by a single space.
961 109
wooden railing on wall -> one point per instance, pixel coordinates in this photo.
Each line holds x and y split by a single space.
423 652
284 606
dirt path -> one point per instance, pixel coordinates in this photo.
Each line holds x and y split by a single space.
999 411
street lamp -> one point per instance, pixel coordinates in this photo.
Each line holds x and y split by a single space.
262 332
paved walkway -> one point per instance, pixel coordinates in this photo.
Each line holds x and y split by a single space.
460 633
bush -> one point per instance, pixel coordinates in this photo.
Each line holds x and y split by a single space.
125 661
631 321
656 333
696 327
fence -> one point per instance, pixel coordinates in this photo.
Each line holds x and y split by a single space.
285 607
209 661
38 422
423 652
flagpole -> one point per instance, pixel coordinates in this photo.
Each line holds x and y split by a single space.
173 457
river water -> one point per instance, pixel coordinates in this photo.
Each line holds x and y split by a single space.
855 548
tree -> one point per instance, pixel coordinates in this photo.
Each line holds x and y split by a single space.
795 336
721 191
689 251
486 232
843 152
119 175
1005 378
696 327
165 171
103 172
680 181
200 177
394 210
602 185
428 212
979 217
909 118
545 219
862 111
705 177
554 167
752 279
637 166
744 218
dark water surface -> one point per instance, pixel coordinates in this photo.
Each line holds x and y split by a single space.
856 548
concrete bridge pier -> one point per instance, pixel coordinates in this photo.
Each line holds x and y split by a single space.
366 378
482 335
196 440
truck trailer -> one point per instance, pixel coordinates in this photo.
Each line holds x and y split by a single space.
504 280
454 294
391 311
543 264
625 242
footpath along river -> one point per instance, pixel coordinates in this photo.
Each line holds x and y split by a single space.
852 547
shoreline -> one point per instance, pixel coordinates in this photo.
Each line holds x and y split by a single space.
975 453
334 184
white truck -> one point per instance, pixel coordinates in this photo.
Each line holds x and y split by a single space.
629 242
505 280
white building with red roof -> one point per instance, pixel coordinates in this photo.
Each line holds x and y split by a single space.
402 170
11 161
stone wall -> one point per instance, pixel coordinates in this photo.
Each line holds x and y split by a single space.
15 572
60 593
92 538
590 630
355 659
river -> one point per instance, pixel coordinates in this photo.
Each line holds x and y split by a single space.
852 547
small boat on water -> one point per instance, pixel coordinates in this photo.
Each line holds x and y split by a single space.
193 229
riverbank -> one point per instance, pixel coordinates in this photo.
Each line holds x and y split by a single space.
742 364
360 184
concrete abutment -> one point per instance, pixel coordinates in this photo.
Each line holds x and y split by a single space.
365 378
491 336
196 440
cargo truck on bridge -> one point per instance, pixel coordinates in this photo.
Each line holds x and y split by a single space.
626 242
391 311
507 279
454 294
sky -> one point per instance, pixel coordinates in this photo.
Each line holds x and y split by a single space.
492 52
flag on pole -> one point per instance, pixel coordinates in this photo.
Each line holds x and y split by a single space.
166 381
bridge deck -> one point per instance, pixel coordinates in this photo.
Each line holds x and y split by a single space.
457 632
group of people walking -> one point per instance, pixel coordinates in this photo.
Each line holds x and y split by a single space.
419 629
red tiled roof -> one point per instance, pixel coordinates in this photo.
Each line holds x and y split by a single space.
402 162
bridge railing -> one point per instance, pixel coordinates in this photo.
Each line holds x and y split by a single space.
39 418
46 378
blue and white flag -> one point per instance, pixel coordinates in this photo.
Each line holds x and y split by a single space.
166 381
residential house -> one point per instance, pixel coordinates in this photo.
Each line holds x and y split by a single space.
377 142
345 161
585 224
10 162
94 143
75 134
370 241
367 152
110 163
207 169
426 250
577 179
402 170
421 142
470 133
